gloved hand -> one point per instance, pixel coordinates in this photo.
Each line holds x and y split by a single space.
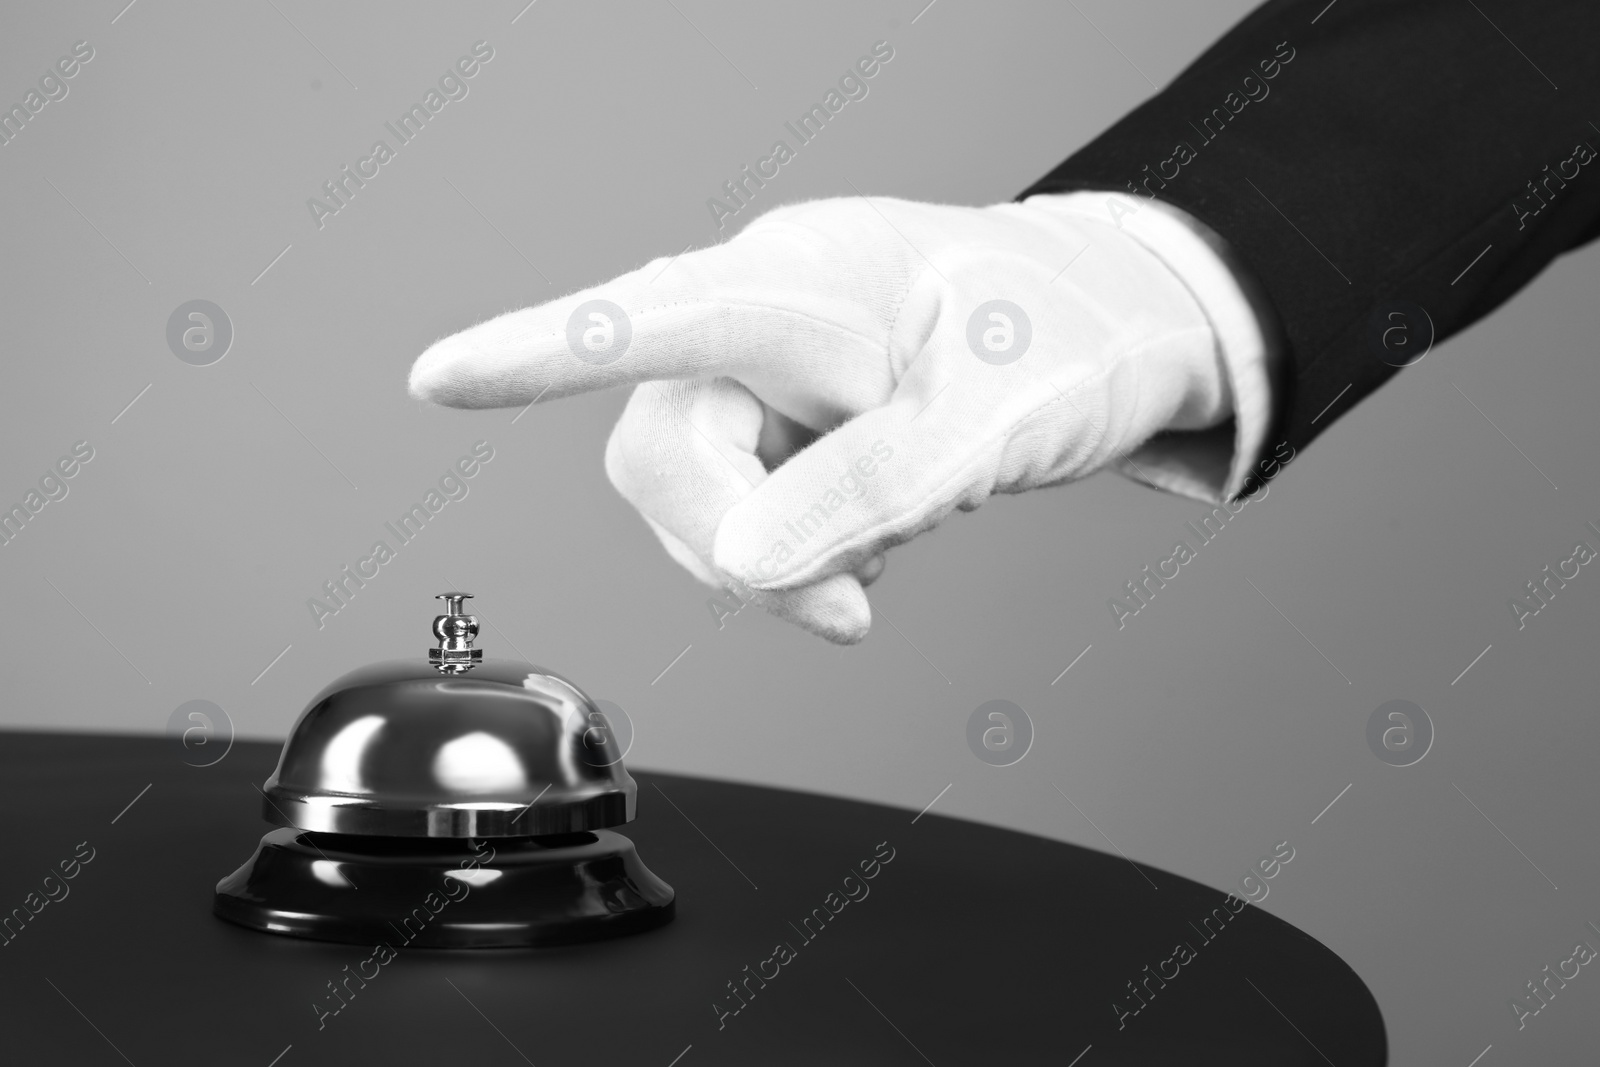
941 353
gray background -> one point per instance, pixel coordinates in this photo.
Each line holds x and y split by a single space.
180 563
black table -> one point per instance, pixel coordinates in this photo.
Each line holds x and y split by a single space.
971 945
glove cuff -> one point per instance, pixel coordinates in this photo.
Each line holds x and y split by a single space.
1213 465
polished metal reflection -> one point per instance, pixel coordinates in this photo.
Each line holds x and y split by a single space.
497 893
456 630
453 746
488 777
506 750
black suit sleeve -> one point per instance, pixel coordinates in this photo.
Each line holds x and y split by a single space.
1369 157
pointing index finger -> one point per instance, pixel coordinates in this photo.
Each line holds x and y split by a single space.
765 302
637 327
608 335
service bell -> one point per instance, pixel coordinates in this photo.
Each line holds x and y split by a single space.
448 801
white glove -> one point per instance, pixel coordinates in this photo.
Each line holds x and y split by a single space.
943 353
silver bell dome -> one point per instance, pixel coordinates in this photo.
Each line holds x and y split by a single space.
451 745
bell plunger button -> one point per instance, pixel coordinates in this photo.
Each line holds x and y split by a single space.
455 631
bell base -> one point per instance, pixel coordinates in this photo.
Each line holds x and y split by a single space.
505 892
